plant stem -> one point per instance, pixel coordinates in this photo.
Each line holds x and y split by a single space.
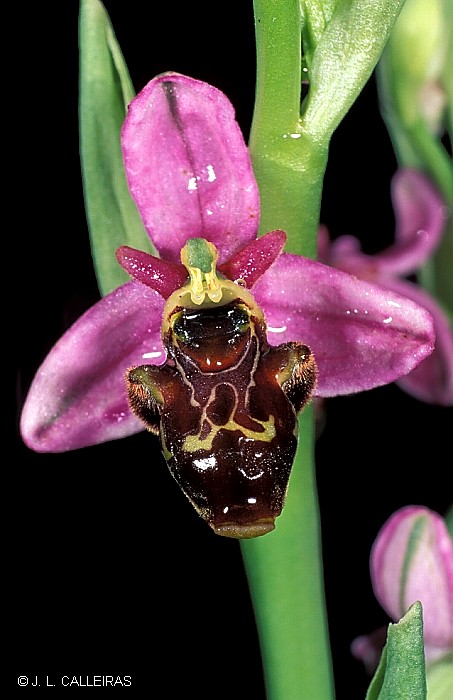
288 164
284 568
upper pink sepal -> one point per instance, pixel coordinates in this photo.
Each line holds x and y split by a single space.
77 397
361 334
188 167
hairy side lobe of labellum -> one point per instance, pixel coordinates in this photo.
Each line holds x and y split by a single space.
225 402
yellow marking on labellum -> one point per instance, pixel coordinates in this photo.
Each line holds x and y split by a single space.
165 451
192 443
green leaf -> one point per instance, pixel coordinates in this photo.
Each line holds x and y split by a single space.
105 91
401 671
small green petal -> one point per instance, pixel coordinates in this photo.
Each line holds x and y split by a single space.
199 253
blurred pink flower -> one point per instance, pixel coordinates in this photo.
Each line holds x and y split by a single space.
420 222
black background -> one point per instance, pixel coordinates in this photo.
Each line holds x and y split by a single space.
110 570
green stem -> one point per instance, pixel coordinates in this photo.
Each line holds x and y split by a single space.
288 164
284 568
434 158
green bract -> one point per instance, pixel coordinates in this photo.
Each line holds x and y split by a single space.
401 672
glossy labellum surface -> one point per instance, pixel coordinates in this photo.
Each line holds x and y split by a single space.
225 402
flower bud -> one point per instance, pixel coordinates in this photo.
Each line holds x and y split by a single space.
412 559
417 57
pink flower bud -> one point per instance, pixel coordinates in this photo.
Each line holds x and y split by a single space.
412 559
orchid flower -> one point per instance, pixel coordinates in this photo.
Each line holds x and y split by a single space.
420 223
189 171
215 241
412 560
299 325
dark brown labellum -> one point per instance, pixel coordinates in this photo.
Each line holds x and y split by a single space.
225 404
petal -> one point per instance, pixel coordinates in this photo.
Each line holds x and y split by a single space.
188 167
78 396
158 274
432 380
368 648
412 559
420 216
252 261
362 335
